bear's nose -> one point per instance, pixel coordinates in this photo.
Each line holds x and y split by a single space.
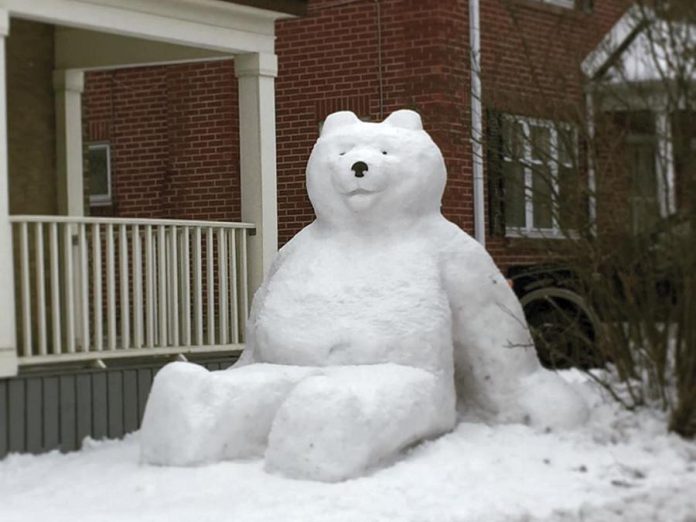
359 167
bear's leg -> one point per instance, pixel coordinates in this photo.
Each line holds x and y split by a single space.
336 426
194 416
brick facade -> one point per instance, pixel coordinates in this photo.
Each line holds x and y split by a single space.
173 129
174 139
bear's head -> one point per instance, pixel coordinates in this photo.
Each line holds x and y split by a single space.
362 173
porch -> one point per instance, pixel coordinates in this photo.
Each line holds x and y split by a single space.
85 290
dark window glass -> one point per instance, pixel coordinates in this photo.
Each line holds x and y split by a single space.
99 173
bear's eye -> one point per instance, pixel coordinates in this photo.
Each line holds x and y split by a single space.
384 152
342 154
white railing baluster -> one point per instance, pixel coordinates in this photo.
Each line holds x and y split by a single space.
234 295
195 294
84 286
69 275
97 287
162 284
137 288
26 288
124 286
173 286
244 282
149 289
198 286
55 290
222 284
186 287
110 288
210 282
40 288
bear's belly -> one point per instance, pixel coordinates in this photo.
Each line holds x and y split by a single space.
354 307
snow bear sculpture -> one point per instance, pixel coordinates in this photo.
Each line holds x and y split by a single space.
367 319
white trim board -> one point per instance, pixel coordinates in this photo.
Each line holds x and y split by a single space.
170 22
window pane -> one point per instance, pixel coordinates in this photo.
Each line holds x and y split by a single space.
512 139
570 209
98 171
541 197
514 194
641 167
566 147
540 141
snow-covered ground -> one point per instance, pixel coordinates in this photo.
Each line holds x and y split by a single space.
620 466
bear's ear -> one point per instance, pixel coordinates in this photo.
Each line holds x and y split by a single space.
405 119
337 120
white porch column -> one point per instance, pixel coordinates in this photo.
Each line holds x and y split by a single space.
8 338
68 86
257 148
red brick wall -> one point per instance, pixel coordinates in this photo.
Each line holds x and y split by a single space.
173 129
174 139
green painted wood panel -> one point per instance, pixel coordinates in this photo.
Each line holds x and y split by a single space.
100 420
4 416
131 420
34 415
16 416
114 400
83 407
68 416
49 410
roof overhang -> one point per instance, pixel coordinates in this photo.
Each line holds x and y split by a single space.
642 48
613 43
291 7
221 26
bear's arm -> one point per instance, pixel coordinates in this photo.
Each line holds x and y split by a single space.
257 302
493 348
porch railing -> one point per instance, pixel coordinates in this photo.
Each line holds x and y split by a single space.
97 288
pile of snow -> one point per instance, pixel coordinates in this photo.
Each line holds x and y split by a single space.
620 466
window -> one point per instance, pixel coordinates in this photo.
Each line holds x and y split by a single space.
583 5
99 164
562 3
539 177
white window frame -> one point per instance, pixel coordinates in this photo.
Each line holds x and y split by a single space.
529 230
568 4
102 199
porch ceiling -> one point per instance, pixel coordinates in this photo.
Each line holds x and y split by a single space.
84 49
